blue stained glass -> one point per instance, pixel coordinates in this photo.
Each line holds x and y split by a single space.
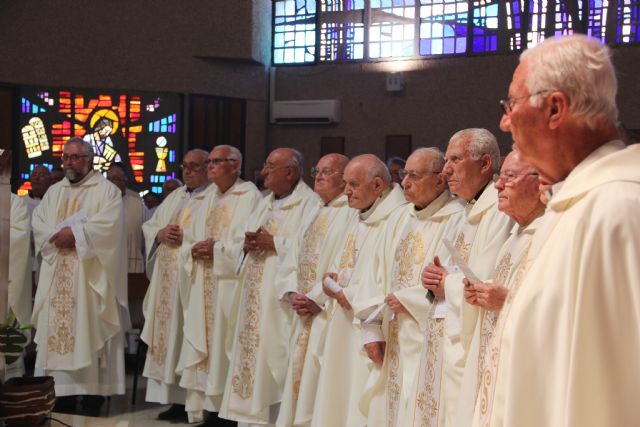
25 176
425 47
173 118
156 127
163 128
461 44
163 121
172 155
156 189
449 46
150 127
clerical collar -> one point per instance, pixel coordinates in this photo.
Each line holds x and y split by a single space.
478 194
366 213
197 190
285 195
84 179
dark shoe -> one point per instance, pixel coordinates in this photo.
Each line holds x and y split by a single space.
65 404
91 404
214 421
173 413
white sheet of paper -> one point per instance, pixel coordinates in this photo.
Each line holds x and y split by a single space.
373 316
441 310
457 259
332 284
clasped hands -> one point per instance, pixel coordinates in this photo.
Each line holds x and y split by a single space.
259 241
170 235
490 296
303 305
63 239
203 250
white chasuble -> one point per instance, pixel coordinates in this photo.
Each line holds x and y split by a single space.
204 360
168 294
479 239
135 214
344 365
259 358
322 240
566 342
410 244
80 308
509 263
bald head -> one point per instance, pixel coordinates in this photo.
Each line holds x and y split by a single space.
328 174
366 178
282 170
169 186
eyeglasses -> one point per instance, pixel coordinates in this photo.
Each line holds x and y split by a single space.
72 157
508 177
194 167
322 172
217 162
413 175
271 167
507 104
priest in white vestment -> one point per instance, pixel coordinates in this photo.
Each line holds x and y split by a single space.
168 295
566 343
411 239
19 298
135 214
258 362
319 244
218 224
80 309
347 359
518 197
472 158
40 179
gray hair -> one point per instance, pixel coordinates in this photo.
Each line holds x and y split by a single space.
86 146
296 160
200 151
436 164
234 153
377 168
480 142
581 68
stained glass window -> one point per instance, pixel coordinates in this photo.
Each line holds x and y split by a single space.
294 37
392 29
443 27
563 23
597 18
138 129
342 30
628 22
485 26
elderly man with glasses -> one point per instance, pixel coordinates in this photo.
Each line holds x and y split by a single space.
412 238
168 294
318 246
567 338
472 158
217 228
258 361
80 309
518 197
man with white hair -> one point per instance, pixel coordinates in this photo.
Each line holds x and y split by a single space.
472 158
80 309
567 336
412 238
218 224
258 362
318 245
345 365
168 294
518 197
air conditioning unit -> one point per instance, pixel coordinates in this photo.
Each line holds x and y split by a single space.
323 111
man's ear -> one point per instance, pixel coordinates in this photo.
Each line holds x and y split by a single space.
557 105
487 162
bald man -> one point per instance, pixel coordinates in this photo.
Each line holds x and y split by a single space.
411 239
168 293
319 244
258 361
345 365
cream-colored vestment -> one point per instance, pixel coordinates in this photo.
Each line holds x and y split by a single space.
509 262
210 316
566 345
168 294
321 242
410 242
135 214
258 363
80 309
345 366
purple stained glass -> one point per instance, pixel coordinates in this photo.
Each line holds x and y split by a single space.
628 22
